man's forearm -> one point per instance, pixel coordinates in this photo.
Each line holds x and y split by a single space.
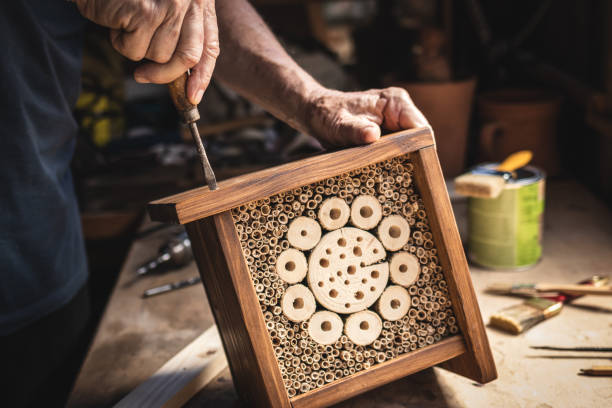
254 64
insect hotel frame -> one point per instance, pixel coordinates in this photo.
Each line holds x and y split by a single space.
335 274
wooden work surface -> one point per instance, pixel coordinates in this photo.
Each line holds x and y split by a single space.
137 336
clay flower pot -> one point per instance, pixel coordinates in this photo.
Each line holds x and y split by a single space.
447 106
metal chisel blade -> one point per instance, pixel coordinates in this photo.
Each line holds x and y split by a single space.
209 174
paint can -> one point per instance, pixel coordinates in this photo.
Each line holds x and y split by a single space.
506 232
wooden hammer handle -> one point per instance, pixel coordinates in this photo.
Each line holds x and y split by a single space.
178 93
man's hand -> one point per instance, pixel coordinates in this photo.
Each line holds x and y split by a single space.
174 35
346 118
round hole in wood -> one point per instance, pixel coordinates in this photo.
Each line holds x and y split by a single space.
375 250
395 304
328 251
359 238
364 280
395 231
324 262
346 282
375 274
341 242
290 266
335 213
298 303
333 293
357 251
366 211
326 326
359 295
403 268
372 288
347 305
320 284
342 256
331 279
304 233
339 273
362 264
364 325
351 269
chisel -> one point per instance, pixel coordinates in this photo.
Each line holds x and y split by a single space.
190 115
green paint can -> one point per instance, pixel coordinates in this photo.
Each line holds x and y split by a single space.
506 232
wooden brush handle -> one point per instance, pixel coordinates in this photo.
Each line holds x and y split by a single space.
577 289
178 93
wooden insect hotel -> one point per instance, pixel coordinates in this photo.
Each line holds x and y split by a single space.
335 274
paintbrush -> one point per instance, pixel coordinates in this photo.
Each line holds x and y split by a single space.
532 289
520 317
598 370
489 183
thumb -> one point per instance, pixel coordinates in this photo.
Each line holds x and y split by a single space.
358 130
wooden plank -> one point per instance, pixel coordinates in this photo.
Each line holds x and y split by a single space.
381 374
236 309
201 202
182 376
477 363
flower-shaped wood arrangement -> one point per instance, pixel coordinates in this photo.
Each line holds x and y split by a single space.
335 274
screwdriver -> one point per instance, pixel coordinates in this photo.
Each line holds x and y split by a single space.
190 115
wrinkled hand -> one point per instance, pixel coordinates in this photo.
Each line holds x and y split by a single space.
174 35
347 118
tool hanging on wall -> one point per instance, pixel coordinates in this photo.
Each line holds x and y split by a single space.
190 115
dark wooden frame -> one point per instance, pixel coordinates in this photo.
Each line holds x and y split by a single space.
207 218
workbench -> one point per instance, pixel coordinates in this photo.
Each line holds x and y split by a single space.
136 336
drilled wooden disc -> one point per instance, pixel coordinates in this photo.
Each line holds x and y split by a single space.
325 327
404 268
291 265
297 303
343 270
366 212
334 213
394 303
394 232
304 233
362 328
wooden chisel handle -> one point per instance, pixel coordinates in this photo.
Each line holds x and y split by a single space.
178 93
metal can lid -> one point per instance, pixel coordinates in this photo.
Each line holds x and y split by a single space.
524 176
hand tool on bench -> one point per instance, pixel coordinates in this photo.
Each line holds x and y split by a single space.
190 115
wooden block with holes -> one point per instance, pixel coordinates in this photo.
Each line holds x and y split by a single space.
336 274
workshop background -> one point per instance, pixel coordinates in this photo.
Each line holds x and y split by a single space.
472 66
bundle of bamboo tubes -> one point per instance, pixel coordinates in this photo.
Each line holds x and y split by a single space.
400 300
